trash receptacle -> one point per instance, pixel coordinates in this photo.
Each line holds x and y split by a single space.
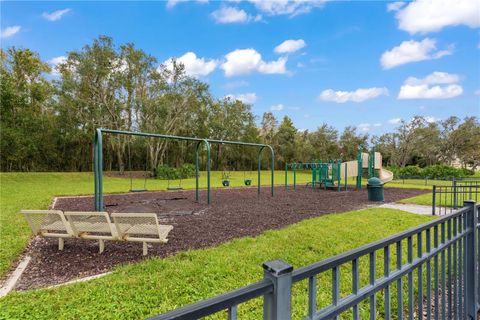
375 189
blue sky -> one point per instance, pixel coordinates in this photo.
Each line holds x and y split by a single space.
365 64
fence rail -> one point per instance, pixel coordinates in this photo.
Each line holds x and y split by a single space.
442 278
446 199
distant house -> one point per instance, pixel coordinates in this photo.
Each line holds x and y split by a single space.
457 163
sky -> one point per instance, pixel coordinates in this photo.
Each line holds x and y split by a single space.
345 63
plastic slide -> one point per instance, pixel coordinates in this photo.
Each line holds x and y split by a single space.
385 175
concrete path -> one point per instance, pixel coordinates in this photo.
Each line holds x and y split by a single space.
14 277
413 208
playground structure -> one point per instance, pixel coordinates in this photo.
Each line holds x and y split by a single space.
329 174
98 159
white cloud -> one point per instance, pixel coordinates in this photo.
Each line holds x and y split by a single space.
364 126
394 121
377 125
358 95
413 51
277 107
54 62
434 78
247 98
437 85
233 15
431 119
173 3
286 7
9 31
289 46
194 66
433 15
55 15
426 92
395 6
247 61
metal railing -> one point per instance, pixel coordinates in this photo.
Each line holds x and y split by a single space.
446 199
440 281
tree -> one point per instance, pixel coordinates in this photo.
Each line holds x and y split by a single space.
468 137
351 143
285 140
26 109
268 127
406 140
324 143
427 146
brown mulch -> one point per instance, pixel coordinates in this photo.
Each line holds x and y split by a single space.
234 213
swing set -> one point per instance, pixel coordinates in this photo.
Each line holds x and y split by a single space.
98 161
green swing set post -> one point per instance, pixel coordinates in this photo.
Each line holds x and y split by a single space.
286 175
314 176
339 187
346 177
359 172
295 176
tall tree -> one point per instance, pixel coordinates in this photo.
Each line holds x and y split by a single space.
351 142
285 139
26 108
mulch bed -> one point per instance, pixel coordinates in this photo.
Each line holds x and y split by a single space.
234 213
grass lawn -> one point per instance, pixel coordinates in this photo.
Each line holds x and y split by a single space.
36 190
158 285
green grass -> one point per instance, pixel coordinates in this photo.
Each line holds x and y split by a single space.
423 199
36 190
158 285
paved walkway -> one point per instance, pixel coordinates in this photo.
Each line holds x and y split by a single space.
413 208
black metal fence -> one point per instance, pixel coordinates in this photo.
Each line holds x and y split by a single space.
446 199
439 281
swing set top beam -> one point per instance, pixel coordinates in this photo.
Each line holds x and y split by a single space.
172 137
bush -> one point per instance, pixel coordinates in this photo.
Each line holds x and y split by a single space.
439 171
165 172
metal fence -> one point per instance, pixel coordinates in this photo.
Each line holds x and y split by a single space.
403 179
439 281
446 199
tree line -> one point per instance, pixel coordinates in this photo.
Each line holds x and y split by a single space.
48 118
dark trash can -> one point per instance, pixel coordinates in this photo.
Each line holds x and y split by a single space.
375 189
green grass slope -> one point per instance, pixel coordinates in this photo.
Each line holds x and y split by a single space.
158 285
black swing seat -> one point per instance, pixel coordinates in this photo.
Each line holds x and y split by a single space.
138 190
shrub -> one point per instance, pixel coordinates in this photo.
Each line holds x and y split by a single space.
439 171
165 172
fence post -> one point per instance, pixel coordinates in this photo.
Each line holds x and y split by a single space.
278 304
471 279
434 191
455 199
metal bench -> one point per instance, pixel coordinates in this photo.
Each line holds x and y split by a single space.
136 227
49 223
140 227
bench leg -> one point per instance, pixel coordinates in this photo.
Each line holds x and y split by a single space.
145 249
60 244
101 246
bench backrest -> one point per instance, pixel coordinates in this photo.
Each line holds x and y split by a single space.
48 223
140 227
91 224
